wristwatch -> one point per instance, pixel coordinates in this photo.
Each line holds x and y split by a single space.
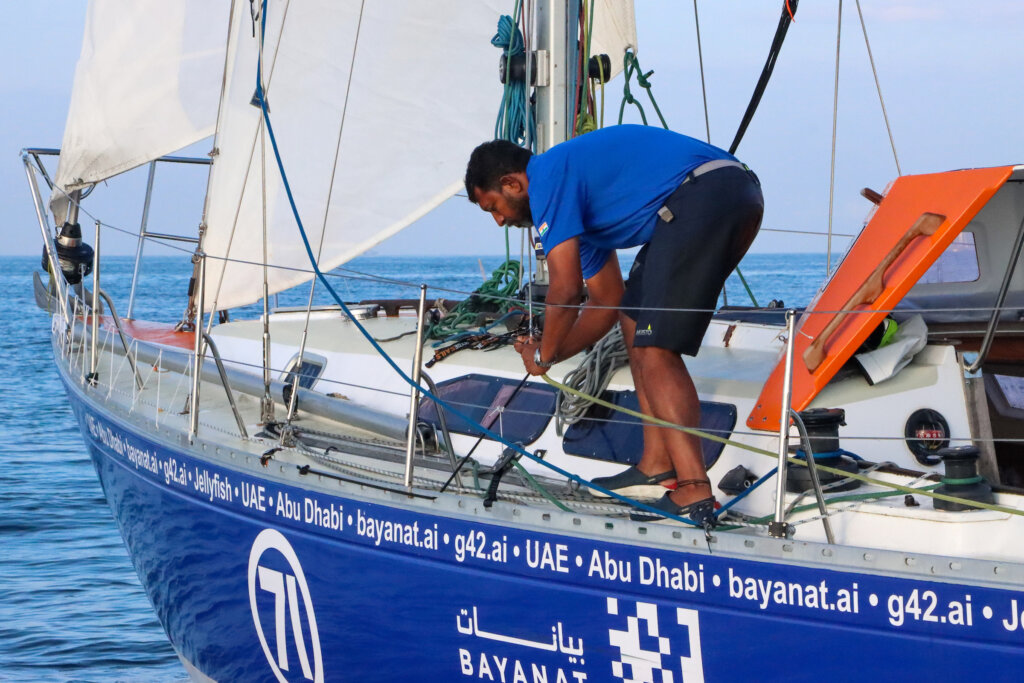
538 362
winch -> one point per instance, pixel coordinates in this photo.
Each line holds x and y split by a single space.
822 426
74 256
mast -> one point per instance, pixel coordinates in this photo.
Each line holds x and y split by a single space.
552 95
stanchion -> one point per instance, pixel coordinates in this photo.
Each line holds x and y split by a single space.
197 368
93 376
414 393
779 528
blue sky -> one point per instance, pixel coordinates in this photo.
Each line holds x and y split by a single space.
949 73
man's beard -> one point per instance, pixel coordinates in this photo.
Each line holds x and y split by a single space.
523 217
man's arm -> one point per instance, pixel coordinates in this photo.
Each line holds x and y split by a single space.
567 329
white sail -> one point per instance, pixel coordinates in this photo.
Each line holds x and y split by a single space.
423 92
146 84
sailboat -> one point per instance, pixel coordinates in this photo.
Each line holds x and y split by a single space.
304 499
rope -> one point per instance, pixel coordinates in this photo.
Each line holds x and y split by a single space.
792 460
512 118
631 65
591 378
493 296
788 12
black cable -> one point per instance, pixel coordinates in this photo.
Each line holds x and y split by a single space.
788 12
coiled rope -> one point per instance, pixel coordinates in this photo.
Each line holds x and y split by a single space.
493 296
514 113
590 378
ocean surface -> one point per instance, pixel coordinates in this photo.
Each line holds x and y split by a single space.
71 607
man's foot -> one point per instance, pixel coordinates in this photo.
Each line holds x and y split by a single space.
633 483
702 512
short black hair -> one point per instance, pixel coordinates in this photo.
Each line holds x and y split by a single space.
492 160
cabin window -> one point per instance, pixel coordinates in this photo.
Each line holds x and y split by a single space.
493 402
611 435
959 263
309 370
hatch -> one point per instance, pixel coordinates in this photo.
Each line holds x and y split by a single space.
917 219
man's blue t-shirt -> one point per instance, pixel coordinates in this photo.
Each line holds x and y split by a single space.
606 187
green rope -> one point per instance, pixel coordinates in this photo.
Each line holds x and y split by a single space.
493 296
541 490
851 498
963 482
746 286
630 66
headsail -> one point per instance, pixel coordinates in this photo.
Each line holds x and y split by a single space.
146 84
375 107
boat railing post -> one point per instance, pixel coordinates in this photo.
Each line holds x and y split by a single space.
414 393
94 317
993 322
778 527
142 237
226 384
197 369
51 257
812 471
124 338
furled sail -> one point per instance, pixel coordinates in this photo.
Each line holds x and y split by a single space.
147 84
614 31
375 106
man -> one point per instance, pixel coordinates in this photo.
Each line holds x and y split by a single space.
695 209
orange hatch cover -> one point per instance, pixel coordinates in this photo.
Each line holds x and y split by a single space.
157 333
919 217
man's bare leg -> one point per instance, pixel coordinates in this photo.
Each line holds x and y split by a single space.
655 459
672 396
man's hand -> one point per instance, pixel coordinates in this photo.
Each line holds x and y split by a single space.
527 347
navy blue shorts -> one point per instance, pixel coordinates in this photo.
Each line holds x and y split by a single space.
715 217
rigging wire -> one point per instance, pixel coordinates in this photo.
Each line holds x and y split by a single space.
266 403
252 153
700 59
327 211
878 87
835 121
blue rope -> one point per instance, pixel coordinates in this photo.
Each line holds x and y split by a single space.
512 117
369 337
745 493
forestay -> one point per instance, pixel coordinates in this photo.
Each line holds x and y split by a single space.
146 84
375 106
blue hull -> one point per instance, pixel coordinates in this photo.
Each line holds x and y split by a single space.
258 581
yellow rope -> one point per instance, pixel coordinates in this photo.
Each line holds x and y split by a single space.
795 461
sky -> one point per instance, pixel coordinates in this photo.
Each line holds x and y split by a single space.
949 73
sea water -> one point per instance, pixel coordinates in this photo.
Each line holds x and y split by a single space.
71 606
